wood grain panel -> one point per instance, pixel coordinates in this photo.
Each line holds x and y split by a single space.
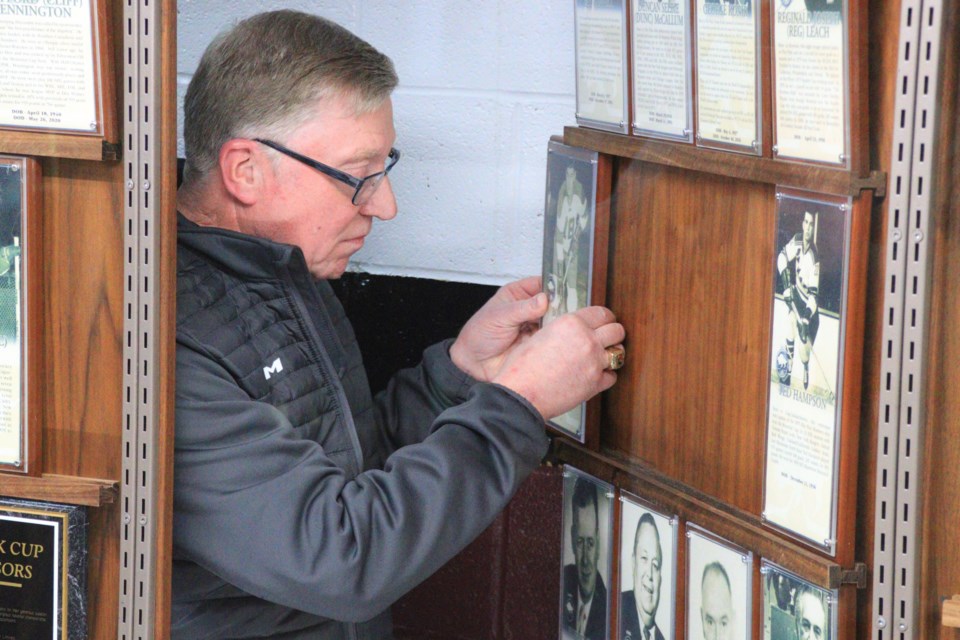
690 278
940 561
83 248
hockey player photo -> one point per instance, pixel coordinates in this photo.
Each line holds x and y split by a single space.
805 364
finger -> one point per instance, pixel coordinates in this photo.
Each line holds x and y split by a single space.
595 316
529 310
521 289
610 334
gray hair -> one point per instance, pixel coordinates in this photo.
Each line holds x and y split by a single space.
263 78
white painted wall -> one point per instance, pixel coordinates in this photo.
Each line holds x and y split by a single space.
483 85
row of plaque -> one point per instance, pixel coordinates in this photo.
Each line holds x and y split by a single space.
719 577
693 71
805 365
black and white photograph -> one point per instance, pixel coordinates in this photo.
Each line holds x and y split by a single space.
727 63
586 557
12 204
568 234
719 588
805 364
601 63
648 571
811 86
794 609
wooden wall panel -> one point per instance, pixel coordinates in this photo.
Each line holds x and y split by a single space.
940 546
692 255
83 248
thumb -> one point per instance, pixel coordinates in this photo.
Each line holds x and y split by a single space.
529 310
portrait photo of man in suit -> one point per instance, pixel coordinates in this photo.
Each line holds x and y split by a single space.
584 605
638 607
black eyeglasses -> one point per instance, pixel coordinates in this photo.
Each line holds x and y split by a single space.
363 187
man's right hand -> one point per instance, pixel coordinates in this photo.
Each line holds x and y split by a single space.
564 363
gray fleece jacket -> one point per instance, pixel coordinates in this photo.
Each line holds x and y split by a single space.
303 507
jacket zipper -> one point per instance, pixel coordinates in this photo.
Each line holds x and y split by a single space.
323 359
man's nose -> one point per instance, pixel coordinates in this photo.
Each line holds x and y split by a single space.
382 204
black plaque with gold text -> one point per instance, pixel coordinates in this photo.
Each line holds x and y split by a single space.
42 571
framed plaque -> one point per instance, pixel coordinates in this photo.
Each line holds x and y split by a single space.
811 80
806 365
43 569
794 609
728 79
59 90
586 556
568 242
719 587
20 299
648 571
601 61
662 87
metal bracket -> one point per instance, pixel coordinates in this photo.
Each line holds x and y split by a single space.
857 575
141 159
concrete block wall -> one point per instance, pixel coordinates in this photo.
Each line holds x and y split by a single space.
483 85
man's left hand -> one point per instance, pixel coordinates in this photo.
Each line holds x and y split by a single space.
506 320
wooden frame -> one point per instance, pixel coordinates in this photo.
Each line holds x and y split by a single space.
29 318
102 143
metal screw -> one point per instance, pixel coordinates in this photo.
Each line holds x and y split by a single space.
16 463
918 236
881 623
843 157
15 168
146 185
896 236
142 520
763 515
610 494
764 570
828 542
130 185
755 144
686 132
689 534
902 627
126 518
699 138
843 207
744 559
622 123
93 125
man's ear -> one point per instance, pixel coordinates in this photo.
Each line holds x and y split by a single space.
241 165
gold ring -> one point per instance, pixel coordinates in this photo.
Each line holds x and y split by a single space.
616 355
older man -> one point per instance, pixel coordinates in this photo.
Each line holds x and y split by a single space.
585 595
639 606
303 507
716 603
810 611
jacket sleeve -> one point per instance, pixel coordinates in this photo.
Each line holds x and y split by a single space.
270 513
414 397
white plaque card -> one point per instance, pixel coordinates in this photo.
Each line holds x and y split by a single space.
727 78
806 365
809 64
601 59
662 103
48 78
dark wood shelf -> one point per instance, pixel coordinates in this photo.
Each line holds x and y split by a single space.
746 529
58 145
88 492
811 177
